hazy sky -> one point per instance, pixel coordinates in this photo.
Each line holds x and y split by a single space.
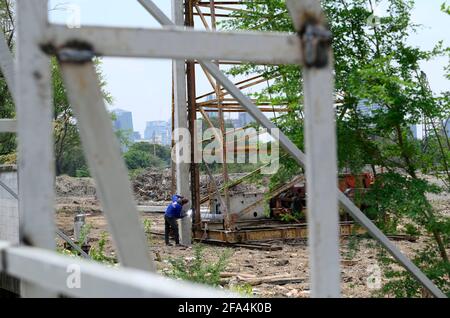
143 86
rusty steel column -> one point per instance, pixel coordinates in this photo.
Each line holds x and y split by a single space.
229 223
192 113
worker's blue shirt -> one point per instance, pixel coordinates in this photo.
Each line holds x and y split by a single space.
174 209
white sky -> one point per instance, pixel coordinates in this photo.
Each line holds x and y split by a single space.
143 86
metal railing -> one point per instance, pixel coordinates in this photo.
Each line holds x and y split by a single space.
44 273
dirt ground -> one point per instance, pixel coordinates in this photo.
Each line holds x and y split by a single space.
291 261
358 260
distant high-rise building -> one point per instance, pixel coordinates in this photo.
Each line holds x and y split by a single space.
211 114
414 131
447 126
124 123
136 136
245 119
124 120
235 122
158 132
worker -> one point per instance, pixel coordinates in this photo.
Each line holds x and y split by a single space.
174 212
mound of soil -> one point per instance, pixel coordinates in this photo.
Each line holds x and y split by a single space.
74 187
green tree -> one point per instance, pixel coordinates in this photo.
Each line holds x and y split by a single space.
380 92
143 155
7 141
68 151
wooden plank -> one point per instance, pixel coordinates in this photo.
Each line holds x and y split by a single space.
106 164
260 247
273 280
35 133
179 43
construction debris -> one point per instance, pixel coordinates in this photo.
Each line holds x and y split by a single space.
74 187
155 185
152 185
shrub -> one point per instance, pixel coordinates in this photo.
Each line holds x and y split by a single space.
197 269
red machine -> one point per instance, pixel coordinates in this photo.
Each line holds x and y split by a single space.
292 202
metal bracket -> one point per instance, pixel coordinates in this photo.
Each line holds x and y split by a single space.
77 56
316 42
75 52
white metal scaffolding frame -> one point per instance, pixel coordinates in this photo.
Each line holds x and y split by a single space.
44 273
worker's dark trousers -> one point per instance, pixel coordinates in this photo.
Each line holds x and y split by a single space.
171 223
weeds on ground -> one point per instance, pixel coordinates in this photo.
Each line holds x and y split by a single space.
199 270
352 247
402 284
245 290
84 234
147 229
98 253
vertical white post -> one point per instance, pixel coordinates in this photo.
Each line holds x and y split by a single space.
35 133
321 176
102 150
181 121
321 153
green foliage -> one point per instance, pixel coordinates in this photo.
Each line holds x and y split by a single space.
7 140
98 253
198 270
376 67
352 247
147 226
124 136
142 155
396 197
83 172
245 290
69 157
84 234
296 216
445 8
399 200
148 229
401 283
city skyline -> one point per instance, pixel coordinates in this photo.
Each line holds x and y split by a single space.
125 118
145 84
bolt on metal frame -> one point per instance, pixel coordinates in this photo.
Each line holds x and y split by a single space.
43 271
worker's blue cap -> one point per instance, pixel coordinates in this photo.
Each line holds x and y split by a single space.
175 197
